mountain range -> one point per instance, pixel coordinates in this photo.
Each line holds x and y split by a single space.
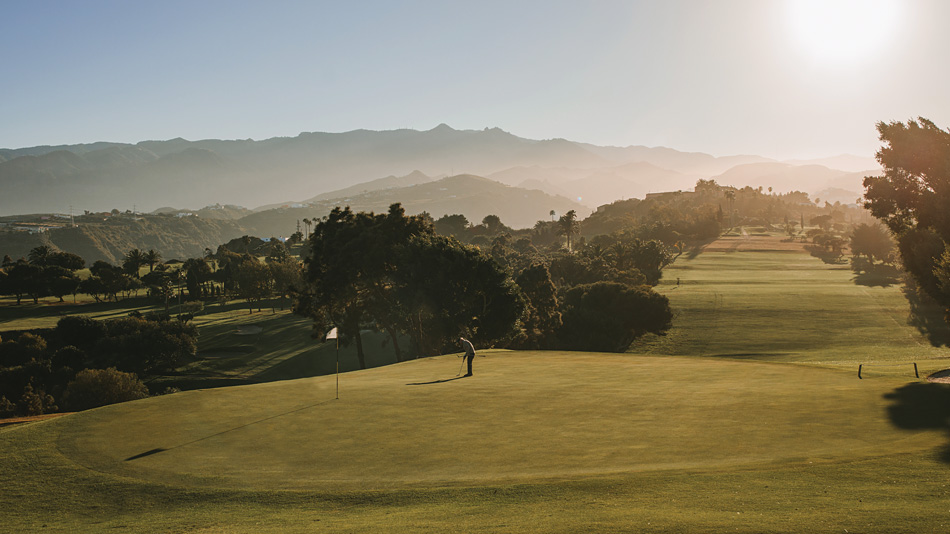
314 168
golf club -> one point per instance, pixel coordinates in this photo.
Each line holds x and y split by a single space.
460 367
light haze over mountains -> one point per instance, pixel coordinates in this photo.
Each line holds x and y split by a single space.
328 168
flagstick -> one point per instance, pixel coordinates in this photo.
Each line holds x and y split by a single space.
337 368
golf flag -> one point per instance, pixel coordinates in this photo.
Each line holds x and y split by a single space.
332 334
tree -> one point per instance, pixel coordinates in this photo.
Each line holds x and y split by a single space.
151 258
133 261
447 289
59 281
40 255
607 316
823 221
568 226
493 225
454 225
349 269
912 196
92 388
542 319
66 260
287 276
872 241
108 280
25 279
197 273
254 282
650 258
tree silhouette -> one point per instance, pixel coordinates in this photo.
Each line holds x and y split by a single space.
151 258
133 261
568 225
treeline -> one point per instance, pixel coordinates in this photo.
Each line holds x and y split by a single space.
396 273
222 274
83 363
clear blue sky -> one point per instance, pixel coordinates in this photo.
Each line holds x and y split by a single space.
780 79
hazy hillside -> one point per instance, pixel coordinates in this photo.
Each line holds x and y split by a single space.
596 187
319 166
109 240
785 177
389 182
472 196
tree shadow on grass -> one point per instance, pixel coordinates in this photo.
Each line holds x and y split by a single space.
697 248
878 276
927 317
920 406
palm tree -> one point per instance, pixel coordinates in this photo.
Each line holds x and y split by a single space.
568 225
151 258
40 255
620 253
134 260
307 223
552 214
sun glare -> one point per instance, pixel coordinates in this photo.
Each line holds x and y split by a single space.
841 31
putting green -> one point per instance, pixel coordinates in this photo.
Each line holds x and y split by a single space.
524 416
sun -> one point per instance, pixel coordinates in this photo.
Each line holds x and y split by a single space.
841 31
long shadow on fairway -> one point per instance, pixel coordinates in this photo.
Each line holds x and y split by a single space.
216 434
919 406
444 380
927 317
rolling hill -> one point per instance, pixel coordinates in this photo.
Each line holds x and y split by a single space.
273 172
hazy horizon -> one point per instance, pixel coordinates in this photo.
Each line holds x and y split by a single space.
780 79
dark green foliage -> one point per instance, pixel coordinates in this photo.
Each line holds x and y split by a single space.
133 261
144 347
59 281
608 317
108 281
452 225
99 387
79 331
197 275
253 282
873 242
35 402
912 197
66 260
25 349
25 279
448 289
542 318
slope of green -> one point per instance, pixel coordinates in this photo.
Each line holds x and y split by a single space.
747 417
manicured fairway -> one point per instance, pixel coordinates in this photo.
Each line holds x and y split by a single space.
525 416
764 303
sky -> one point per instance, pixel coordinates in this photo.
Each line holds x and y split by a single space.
778 78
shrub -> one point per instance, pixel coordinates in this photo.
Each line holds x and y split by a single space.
99 387
35 402
608 316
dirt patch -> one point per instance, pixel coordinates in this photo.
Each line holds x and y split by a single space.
30 419
940 377
752 243
248 330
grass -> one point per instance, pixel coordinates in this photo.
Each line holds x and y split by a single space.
789 307
747 417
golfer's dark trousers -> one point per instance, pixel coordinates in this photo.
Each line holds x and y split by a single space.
470 358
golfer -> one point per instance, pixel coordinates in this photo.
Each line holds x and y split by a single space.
469 353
